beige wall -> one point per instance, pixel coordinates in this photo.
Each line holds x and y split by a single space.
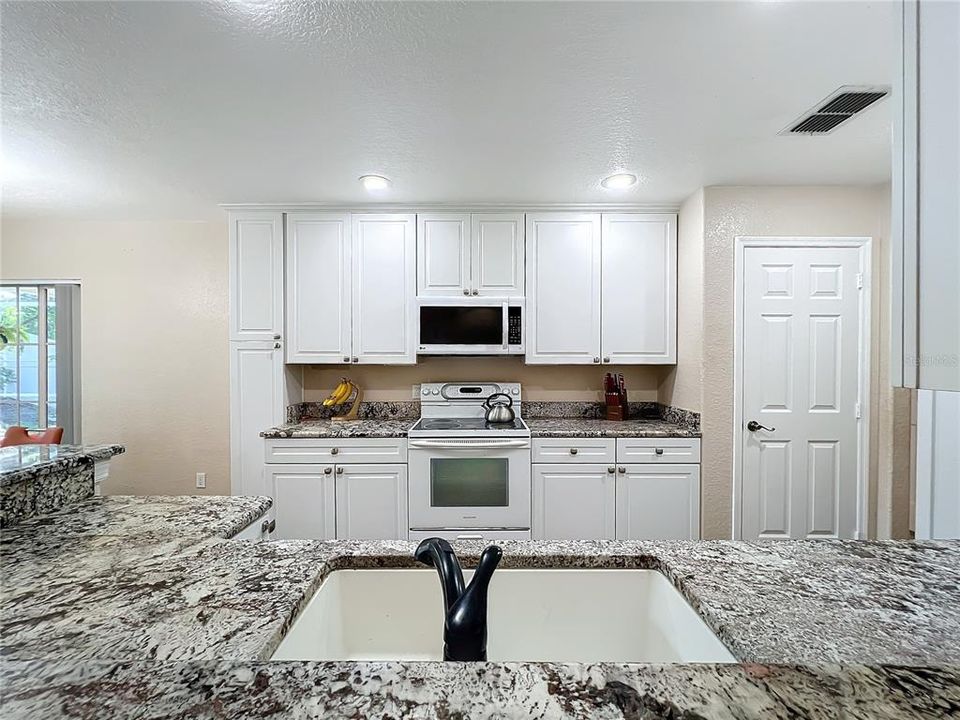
540 382
153 341
784 211
682 386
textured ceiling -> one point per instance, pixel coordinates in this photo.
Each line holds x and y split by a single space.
168 108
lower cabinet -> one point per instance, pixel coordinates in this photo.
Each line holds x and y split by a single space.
344 502
303 501
371 502
658 502
574 502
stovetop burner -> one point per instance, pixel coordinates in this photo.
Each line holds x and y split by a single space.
431 424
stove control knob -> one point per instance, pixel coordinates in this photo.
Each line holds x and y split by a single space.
436 392
425 391
516 391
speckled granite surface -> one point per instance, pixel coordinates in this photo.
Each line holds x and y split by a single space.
461 691
586 427
38 479
377 428
136 607
369 410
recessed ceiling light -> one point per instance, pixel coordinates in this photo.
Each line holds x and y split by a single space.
374 182
619 181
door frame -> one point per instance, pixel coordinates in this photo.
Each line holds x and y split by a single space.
865 246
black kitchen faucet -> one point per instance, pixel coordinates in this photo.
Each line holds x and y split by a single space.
465 610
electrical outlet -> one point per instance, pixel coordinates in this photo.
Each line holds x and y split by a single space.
201 480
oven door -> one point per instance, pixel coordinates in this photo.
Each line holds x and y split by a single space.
469 483
472 326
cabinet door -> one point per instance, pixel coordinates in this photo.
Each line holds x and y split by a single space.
257 401
384 289
256 276
497 254
318 287
639 289
371 502
563 288
658 502
303 501
443 254
574 502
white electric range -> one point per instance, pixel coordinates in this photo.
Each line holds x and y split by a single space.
468 478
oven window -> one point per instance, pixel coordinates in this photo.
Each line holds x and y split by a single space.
469 482
441 325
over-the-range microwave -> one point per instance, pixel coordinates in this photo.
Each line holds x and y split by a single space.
471 326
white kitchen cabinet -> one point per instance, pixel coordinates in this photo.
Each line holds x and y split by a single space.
638 297
318 287
478 255
443 254
371 502
256 276
261 387
574 502
384 285
497 254
601 289
658 502
304 502
563 288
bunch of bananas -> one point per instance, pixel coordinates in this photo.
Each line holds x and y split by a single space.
341 393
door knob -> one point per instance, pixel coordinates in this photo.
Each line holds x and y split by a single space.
753 426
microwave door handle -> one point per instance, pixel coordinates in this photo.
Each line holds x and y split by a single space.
505 322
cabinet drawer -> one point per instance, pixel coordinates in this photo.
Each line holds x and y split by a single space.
658 450
574 450
485 535
336 450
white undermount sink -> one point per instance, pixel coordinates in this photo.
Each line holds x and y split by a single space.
534 615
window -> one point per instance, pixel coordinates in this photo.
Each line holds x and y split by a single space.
39 338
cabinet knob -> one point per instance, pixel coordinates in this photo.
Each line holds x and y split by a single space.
356 359
606 360
276 337
276 346
327 471
573 451
476 292
334 451
621 469
596 359
466 292
347 359
268 526
658 451
611 469
339 471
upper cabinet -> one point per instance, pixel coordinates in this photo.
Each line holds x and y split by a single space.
351 283
318 287
383 259
601 289
256 276
478 255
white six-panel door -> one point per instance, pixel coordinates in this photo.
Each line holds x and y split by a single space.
497 254
384 288
639 289
563 288
256 273
800 377
318 287
443 254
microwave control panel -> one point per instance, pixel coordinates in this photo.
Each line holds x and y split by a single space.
514 331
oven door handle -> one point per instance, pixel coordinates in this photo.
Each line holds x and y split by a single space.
470 444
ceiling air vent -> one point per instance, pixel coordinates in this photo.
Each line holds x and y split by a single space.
836 109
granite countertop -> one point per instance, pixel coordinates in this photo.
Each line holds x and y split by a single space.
539 427
121 607
20 462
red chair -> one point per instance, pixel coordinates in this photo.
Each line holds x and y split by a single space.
17 435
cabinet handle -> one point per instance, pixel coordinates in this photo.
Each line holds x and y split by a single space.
573 451
327 471
476 292
470 537
466 291
658 451
339 471
276 337
596 359
611 469
268 526
334 451
621 470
